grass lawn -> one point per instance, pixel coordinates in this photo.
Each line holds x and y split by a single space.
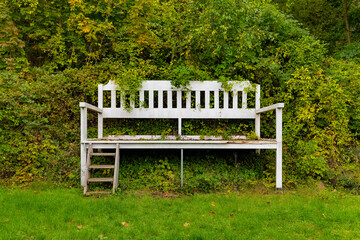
65 214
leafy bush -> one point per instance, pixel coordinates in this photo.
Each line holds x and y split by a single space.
317 123
52 59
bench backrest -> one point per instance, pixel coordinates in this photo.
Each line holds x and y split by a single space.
160 99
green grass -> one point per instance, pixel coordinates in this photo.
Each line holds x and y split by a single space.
59 213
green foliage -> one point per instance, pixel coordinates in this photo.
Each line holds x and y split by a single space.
350 52
54 53
11 46
39 132
347 74
325 19
317 122
204 171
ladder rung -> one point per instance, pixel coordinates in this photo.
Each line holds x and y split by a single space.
101 166
103 154
100 179
98 192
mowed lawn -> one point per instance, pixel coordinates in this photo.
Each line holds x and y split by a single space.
66 214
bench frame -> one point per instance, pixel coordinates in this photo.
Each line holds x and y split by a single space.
201 101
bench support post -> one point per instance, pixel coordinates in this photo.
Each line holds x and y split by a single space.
257 106
279 148
257 129
257 116
182 167
83 123
83 168
116 167
100 126
100 105
83 136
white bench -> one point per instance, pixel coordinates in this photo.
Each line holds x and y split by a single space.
159 99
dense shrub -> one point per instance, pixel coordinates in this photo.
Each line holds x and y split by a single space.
56 52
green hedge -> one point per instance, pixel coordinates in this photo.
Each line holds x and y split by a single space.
52 59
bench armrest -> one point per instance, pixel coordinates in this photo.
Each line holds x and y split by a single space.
83 119
90 107
269 108
278 107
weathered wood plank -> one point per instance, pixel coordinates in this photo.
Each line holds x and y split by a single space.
184 145
101 166
175 113
269 108
90 107
103 154
100 179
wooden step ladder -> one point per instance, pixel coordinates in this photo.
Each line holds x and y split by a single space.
90 166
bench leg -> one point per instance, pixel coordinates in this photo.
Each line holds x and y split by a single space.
83 169
279 166
116 167
182 167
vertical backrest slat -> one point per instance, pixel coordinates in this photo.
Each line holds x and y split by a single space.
132 101
216 99
207 99
113 98
257 97
142 97
178 99
169 99
197 99
226 99
188 99
244 99
160 98
100 95
122 99
235 99
151 99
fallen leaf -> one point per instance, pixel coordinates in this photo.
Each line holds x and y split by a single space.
186 224
212 212
80 227
268 202
125 224
231 215
213 204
